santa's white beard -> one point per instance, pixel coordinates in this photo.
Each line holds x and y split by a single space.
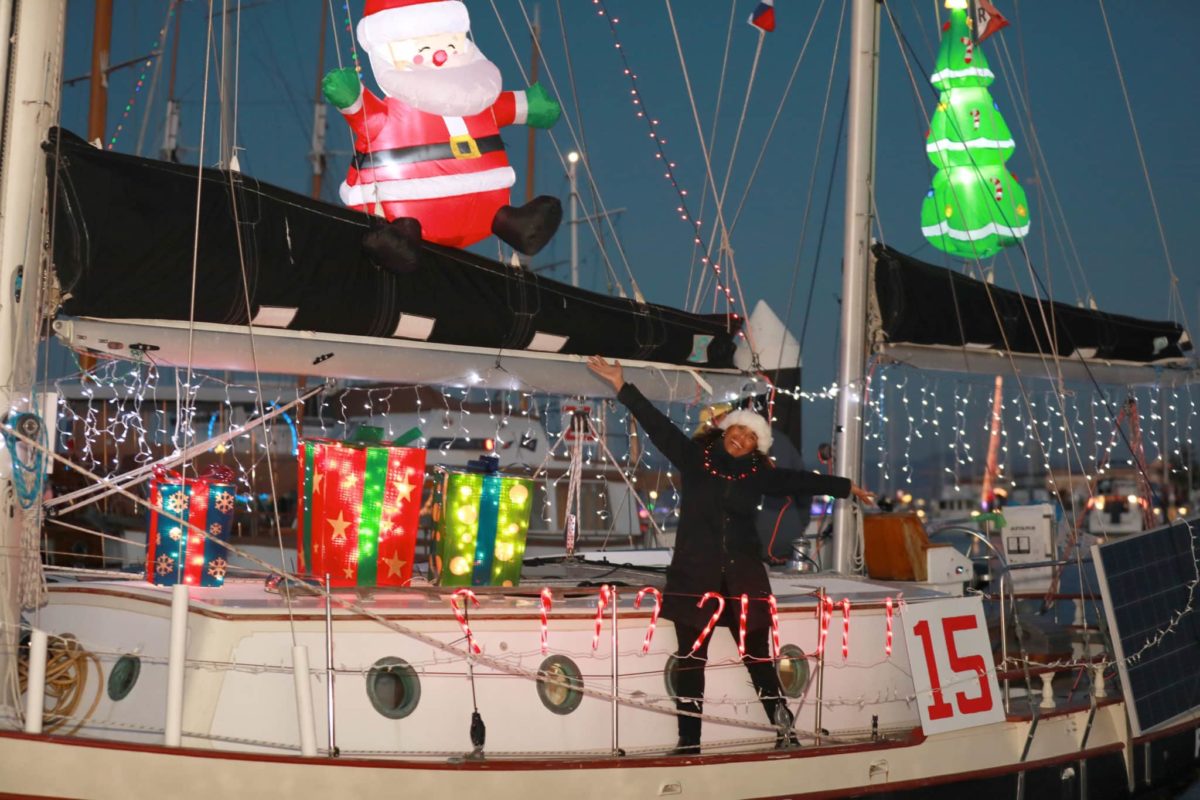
461 91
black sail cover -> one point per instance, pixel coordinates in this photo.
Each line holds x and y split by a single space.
923 304
124 237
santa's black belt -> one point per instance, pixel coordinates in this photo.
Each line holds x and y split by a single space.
459 147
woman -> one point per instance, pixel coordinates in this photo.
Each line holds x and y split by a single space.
724 474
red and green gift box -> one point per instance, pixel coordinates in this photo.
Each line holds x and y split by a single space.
360 511
483 521
177 554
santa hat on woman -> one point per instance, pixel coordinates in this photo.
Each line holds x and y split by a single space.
394 20
755 422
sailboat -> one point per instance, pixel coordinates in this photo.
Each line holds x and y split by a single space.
560 685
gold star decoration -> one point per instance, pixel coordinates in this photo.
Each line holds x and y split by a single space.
1021 210
404 489
318 479
349 572
339 528
395 565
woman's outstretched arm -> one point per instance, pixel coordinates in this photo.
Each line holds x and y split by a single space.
670 441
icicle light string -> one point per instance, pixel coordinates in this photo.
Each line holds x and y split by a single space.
910 424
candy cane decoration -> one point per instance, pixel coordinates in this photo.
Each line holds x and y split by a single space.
975 117
711 622
888 647
547 601
773 605
845 628
967 56
605 599
461 616
742 626
825 614
999 189
653 614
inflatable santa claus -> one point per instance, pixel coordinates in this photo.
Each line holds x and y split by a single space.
429 156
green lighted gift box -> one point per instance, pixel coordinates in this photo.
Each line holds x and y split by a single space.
483 520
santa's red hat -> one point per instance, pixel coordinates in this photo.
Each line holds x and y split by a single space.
392 20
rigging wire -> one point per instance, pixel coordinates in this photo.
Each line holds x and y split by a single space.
812 283
712 138
1174 297
708 168
1056 359
587 168
235 191
196 232
1066 240
787 89
771 131
562 158
726 245
172 8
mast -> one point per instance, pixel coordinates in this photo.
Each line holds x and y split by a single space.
856 253
170 148
29 100
535 58
317 154
101 45
228 108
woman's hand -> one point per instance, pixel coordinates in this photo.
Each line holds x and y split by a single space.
864 496
609 372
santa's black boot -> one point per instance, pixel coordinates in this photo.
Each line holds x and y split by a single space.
529 228
395 246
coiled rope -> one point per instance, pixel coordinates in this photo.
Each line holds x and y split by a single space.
66 680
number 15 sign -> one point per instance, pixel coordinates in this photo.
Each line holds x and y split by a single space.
952 667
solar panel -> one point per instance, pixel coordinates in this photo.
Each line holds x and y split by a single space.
1146 581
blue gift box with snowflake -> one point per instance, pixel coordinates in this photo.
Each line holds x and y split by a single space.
190 519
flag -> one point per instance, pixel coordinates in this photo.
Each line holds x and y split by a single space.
763 16
987 20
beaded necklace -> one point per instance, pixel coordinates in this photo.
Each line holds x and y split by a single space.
716 471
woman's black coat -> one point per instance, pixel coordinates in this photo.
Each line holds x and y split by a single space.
716 547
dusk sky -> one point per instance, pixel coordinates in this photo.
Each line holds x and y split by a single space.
1055 57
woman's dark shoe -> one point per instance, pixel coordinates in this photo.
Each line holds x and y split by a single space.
786 738
786 741
685 747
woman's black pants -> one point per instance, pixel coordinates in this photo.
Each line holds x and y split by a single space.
689 676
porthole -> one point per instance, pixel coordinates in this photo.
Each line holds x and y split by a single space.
559 682
793 670
123 677
393 687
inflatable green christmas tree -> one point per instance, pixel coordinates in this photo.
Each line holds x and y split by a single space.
975 206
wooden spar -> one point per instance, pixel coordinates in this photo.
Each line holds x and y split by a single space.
101 47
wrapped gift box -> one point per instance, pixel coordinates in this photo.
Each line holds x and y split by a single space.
176 553
483 520
361 503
